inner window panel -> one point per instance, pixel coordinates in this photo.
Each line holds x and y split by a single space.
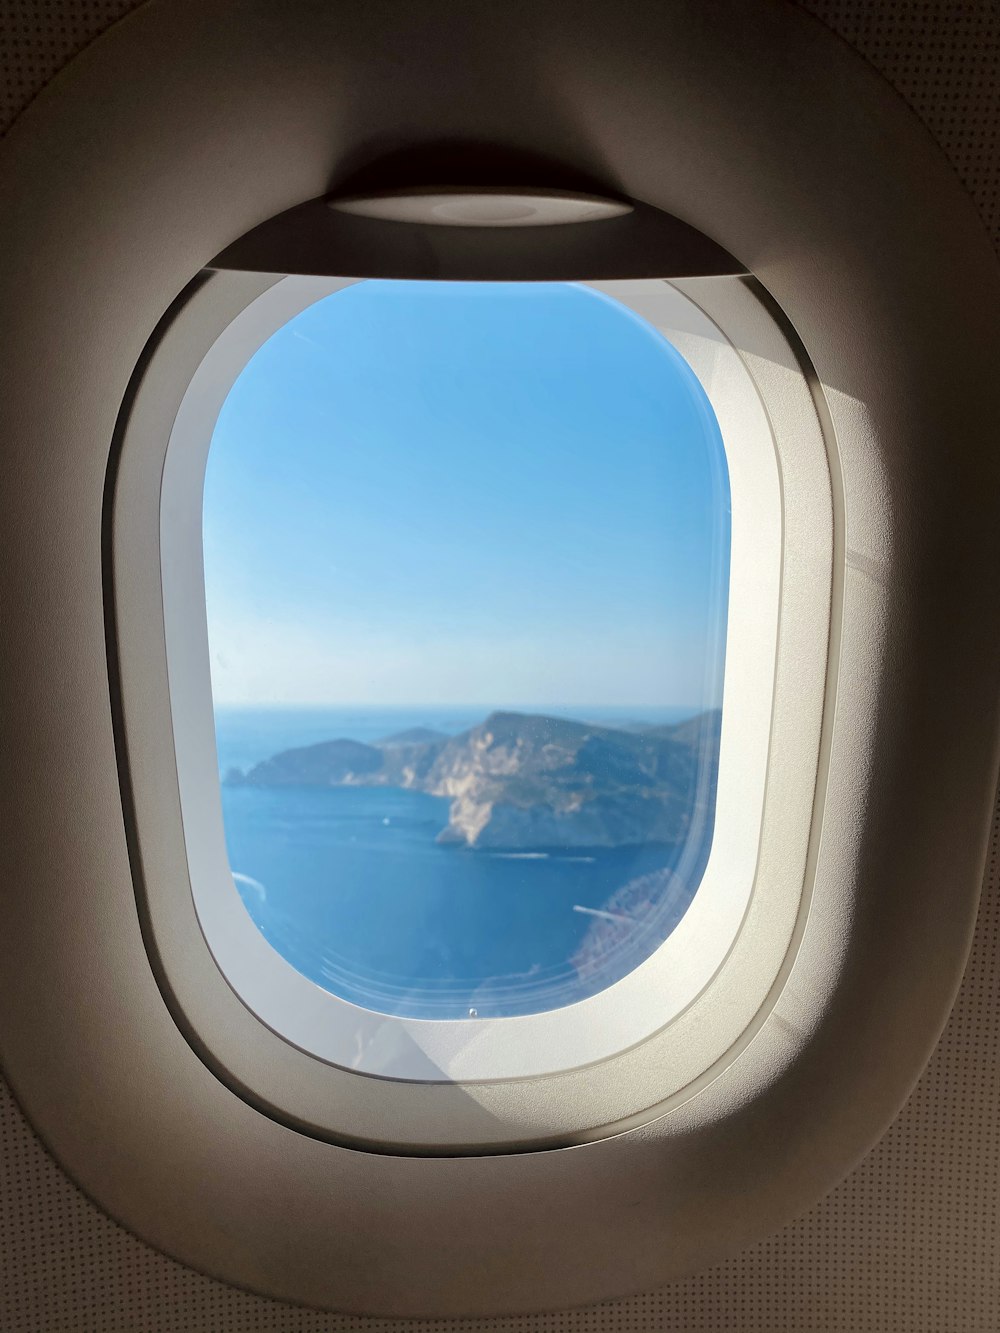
466 552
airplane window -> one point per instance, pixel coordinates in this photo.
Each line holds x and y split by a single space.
466 554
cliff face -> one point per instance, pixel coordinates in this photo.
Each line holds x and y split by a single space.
521 781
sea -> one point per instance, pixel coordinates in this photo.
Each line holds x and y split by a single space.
351 887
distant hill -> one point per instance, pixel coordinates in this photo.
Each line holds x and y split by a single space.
703 728
524 780
414 736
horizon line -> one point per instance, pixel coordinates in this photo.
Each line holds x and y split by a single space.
492 707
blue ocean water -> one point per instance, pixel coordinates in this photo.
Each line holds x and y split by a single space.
349 885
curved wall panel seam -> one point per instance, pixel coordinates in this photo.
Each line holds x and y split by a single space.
943 59
38 38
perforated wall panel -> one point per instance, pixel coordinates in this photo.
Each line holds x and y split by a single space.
38 37
910 1242
943 57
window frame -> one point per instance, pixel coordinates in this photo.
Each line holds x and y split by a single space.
610 1051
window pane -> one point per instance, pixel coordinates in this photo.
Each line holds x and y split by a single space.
466 567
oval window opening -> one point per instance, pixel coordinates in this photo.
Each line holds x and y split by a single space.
466 554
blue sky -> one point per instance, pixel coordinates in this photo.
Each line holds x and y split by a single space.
448 493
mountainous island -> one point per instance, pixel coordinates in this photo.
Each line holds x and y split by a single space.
523 780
